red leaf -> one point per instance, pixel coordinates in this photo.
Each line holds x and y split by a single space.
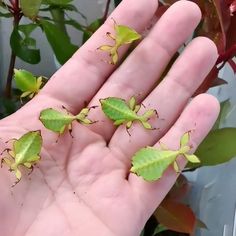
215 21
208 82
176 216
232 64
218 82
180 188
229 54
160 11
231 34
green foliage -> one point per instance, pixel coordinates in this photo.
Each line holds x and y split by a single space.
59 41
57 2
150 163
30 8
123 35
122 112
27 83
58 121
160 228
89 31
25 152
8 106
217 148
117 2
22 46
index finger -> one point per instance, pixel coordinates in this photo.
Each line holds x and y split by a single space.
81 77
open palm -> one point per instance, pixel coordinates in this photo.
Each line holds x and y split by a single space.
82 185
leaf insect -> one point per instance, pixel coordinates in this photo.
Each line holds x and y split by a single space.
27 83
58 121
25 152
122 112
150 162
123 35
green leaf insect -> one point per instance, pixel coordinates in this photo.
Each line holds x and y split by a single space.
123 35
58 122
150 163
27 83
25 152
122 112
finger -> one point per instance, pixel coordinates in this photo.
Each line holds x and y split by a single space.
205 109
79 79
170 97
141 70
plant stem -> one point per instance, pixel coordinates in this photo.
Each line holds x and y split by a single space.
10 75
106 11
59 17
17 17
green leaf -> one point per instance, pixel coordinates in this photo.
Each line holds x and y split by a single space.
117 2
120 112
8 107
75 24
150 163
217 148
30 8
91 29
59 41
6 15
142 233
57 2
27 29
160 228
22 50
176 216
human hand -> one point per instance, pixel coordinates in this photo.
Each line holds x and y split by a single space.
82 185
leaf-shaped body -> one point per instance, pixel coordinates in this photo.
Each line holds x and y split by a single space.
27 83
27 148
25 152
117 109
54 120
125 34
150 163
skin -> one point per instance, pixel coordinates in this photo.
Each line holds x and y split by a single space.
82 186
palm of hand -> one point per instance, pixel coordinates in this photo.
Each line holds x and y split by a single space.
82 185
87 178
